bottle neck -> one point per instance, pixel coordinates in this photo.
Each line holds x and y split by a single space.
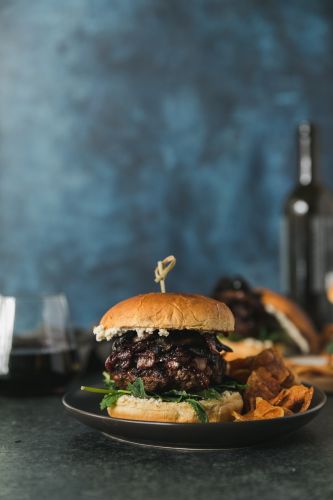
307 160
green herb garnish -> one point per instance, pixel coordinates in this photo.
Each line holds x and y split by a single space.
229 384
199 410
233 336
211 394
137 390
329 347
275 336
109 400
108 382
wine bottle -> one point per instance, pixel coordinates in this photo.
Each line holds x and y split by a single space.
307 235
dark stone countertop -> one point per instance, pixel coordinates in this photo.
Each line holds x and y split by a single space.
46 454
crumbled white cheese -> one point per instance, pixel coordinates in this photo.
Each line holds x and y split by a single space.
109 333
290 328
163 332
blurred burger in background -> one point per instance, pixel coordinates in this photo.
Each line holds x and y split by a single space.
264 319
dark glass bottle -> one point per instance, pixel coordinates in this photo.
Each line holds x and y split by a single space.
307 235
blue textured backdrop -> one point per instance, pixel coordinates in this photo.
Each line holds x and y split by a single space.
131 129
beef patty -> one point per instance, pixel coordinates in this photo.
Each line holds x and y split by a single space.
183 360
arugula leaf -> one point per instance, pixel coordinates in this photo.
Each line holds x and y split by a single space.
231 385
329 347
109 400
199 410
108 381
210 394
274 336
263 334
171 398
94 389
175 392
137 389
178 396
233 336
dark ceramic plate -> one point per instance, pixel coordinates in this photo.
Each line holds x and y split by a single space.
84 406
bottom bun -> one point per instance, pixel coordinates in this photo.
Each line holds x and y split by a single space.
154 410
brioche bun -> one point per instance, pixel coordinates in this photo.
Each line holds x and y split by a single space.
276 303
295 322
154 410
246 347
177 311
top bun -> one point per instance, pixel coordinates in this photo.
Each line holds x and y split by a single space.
280 303
177 311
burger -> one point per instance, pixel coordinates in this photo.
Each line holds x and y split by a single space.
264 319
166 363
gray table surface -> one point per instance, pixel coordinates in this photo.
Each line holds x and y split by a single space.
46 454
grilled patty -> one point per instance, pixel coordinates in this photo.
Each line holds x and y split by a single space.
183 360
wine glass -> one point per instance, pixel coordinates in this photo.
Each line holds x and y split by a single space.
38 352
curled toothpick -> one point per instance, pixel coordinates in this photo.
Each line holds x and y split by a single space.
162 269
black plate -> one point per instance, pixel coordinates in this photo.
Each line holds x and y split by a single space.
84 406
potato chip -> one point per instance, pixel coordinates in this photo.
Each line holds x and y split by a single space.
271 391
273 361
260 384
288 413
240 369
297 398
263 410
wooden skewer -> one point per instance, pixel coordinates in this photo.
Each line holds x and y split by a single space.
162 269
